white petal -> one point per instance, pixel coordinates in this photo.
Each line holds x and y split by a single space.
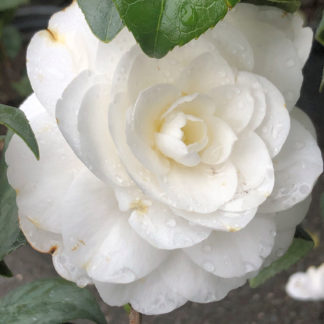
68 270
98 238
56 55
234 105
251 83
98 150
286 222
41 185
194 283
108 55
201 189
150 295
163 229
292 26
304 119
275 126
143 122
40 239
235 254
220 220
278 60
205 72
82 116
232 44
293 216
256 175
221 141
140 71
297 167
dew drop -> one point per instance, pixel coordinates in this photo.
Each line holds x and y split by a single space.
248 267
304 189
290 63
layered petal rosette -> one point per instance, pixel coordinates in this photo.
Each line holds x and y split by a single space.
163 181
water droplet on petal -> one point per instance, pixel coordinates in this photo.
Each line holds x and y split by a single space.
290 63
304 189
248 267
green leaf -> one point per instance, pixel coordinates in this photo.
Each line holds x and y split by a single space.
127 308
102 17
50 301
160 25
287 5
12 41
319 36
4 270
15 120
10 235
23 87
9 4
300 246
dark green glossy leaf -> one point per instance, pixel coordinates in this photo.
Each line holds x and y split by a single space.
320 31
102 17
9 4
51 301
15 120
300 246
160 25
4 270
10 235
287 5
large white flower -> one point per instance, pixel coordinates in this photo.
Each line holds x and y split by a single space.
162 181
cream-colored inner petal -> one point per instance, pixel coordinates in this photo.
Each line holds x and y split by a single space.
181 137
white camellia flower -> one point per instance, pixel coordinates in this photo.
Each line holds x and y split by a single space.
163 181
307 285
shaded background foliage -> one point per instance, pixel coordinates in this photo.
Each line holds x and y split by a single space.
266 304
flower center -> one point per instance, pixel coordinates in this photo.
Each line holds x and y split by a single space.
181 137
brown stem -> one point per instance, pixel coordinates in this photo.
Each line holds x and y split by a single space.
135 317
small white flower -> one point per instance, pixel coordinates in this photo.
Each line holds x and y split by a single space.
307 285
162 181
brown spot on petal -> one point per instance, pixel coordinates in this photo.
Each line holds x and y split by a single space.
17 192
72 3
34 222
52 249
82 242
233 229
54 36
139 206
75 247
